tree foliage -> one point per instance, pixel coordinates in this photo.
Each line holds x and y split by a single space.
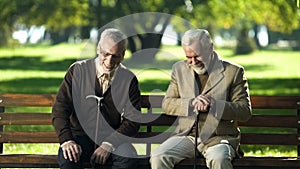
54 14
277 15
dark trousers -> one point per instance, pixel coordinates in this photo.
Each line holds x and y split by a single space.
118 160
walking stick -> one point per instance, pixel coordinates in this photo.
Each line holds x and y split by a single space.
196 138
99 99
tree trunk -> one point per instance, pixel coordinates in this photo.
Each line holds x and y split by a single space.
256 40
4 35
150 42
60 36
245 44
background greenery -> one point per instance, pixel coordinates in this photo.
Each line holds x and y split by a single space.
40 69
64 21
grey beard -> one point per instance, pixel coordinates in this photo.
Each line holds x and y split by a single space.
198 70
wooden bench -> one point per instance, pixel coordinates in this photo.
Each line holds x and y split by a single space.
286 119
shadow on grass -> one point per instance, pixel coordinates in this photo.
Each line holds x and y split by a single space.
37 63
157 64
51 85
33 63
154 86
274 86
257 68
31 85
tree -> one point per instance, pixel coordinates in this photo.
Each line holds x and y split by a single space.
57 15
138 20
54 14
277 15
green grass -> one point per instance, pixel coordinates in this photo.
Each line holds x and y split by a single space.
40 69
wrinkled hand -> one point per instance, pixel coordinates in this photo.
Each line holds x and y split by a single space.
71 150
201 103
101 154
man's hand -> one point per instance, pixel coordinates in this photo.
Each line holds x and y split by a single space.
71 150
202 103
101 154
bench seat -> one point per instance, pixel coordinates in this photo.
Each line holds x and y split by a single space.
287 118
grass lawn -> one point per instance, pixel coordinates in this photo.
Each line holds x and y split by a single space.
40 69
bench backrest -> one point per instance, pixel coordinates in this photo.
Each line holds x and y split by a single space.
283 115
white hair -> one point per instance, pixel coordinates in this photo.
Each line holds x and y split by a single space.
200 36
116 35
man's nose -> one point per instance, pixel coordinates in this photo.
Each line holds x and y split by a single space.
194 60
109 58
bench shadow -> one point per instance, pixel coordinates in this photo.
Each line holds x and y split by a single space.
33 63
154 86
277 86
156 64
257 68
31 85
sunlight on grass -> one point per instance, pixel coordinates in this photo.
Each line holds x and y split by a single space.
31 148
51 62
17 74
270 151
140 148
268 64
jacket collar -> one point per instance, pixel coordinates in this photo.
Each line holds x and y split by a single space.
215 73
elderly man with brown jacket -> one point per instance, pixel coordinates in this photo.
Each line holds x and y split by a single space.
212 88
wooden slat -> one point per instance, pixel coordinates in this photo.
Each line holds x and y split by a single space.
272 121
28 137
279 121
270 139
31 161
253 162
261 102
152 120
42 100
50 137
247 138
158 120
153 137
25 119
275 102
267 162
28 160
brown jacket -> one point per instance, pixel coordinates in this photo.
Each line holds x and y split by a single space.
74 114
227 85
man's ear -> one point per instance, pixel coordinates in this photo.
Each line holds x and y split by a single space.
123 53
98 49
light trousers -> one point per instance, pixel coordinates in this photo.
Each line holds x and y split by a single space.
178 148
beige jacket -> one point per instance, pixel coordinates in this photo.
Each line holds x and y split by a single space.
227 84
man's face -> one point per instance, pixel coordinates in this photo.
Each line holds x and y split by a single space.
193 58
110 54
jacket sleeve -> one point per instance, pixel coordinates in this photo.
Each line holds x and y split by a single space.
173 102
238 105
63 108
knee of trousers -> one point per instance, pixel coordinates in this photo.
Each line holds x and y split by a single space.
218 160
162 161
67 164
124 162
157 159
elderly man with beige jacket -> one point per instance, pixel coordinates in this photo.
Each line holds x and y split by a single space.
212 88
